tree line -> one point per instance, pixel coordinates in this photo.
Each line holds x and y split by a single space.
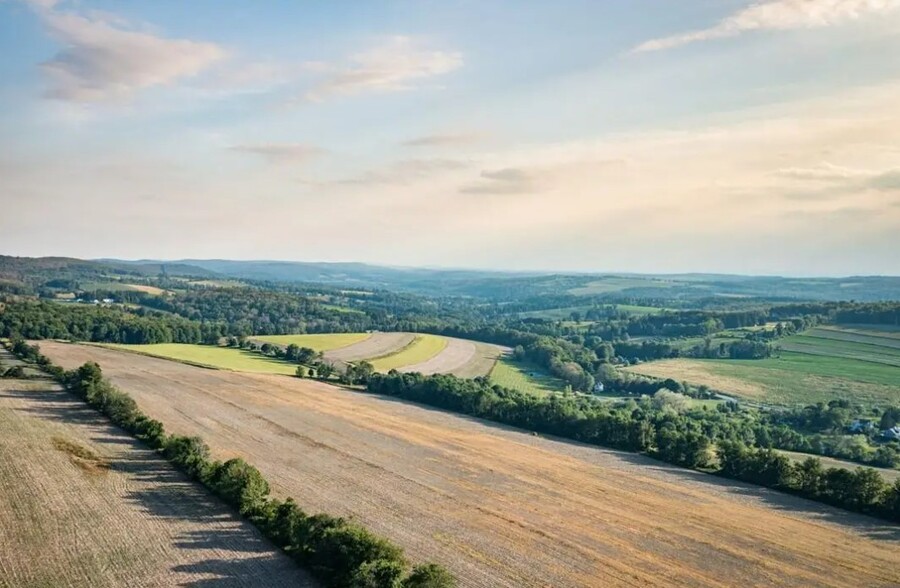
338 552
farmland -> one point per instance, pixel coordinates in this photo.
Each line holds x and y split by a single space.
82 504
422 348
323 342
223 358
521 376
427 354
497 506
819 365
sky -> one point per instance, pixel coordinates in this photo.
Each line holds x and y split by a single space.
643 136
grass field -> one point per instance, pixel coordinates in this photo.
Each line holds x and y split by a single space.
502 508
617 284
524 377
83 504
423 348
224 358
819 365
321 342
114 286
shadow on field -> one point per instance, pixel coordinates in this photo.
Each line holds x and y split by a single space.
230 575
160 490
865 525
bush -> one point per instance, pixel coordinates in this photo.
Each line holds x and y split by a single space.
240 485
429 576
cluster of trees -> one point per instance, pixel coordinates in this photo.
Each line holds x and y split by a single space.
661 427
338 552
51 320
861 490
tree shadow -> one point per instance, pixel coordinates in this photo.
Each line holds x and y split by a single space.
228 574
155 487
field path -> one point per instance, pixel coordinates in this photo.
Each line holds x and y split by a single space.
125 519
500 507
377 345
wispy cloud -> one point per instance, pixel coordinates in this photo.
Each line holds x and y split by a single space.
104 59
282 153
777 15
398 64
444 140
510 180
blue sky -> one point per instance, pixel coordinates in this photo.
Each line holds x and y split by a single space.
646 136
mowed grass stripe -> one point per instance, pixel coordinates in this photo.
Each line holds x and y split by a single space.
422 349
223 358
318 342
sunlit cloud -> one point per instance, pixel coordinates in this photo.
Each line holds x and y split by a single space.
397 64
777 15
103 59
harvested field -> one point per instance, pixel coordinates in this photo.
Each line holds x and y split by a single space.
455 355
423 348
486 357
222 358
317 342
82 504
377 345
503 508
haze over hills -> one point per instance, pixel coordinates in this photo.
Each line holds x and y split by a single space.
489 284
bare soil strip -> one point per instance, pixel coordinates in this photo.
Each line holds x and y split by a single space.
481 364
503 508
378 345
83 504
456 354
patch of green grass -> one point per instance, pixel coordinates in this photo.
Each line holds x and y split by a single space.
828 347
423 348
225 358
319 342
805 378
524 377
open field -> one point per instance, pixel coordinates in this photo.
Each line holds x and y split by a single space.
819 365
378 345
319 342
423 348
82 504
428 354
504 508
890 475
792 378
525 378
223 358
617 284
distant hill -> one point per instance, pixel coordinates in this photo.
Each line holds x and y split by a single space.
684 289
500 285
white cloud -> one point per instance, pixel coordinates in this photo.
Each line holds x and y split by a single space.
405 172
282 153
103 60
777 15
396 65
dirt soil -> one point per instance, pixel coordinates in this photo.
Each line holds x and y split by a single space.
378 345
501 507
82 504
